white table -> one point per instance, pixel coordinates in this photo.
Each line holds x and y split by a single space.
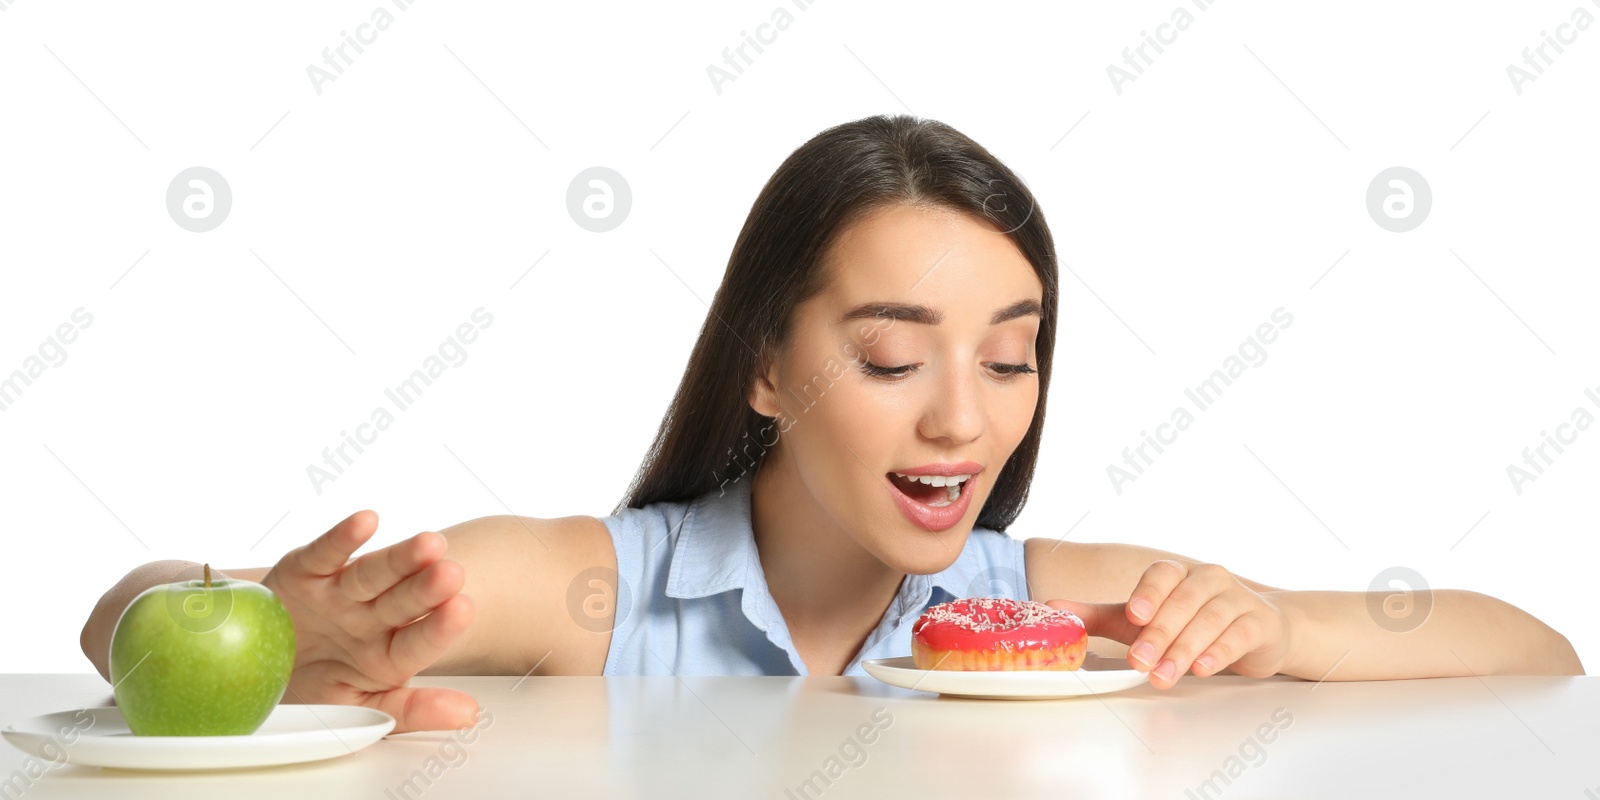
766 737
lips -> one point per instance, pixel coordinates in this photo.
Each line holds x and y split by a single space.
913 498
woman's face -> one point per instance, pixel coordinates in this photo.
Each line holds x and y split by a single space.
945 310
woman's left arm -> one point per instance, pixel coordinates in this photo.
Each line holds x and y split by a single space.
1181 615
1347 636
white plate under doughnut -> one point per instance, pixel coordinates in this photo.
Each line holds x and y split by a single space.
1090 679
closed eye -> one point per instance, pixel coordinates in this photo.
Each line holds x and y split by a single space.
1010 371
886 372
1014 369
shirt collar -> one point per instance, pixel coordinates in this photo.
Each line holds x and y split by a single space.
716 544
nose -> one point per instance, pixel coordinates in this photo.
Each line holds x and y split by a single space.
953 411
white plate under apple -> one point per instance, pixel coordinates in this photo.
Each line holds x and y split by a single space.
292 734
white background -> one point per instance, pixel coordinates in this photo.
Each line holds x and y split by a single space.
370 220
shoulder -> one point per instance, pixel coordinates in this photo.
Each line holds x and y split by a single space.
636 531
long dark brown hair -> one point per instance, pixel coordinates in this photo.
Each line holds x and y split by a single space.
710 435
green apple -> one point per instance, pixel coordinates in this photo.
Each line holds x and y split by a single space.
201 658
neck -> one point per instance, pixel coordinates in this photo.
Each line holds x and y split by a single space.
824 582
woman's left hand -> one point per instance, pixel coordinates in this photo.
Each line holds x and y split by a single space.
1191 616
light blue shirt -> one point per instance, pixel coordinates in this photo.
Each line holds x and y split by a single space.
692 598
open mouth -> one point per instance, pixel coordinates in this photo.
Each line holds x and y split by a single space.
931 491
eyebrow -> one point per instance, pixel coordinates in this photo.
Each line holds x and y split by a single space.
926 315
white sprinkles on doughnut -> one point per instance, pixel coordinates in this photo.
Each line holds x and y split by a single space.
987 614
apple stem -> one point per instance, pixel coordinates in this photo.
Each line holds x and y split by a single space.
208 576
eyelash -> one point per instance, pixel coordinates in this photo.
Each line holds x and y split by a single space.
1010 371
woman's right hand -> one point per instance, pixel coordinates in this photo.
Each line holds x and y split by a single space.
358 636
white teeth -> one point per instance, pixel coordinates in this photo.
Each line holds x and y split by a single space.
951 483
936 480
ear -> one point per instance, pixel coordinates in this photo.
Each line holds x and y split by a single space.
764 390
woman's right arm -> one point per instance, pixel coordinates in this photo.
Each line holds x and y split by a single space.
365 625
520 572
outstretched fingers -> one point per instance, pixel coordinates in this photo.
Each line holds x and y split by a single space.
325 554
376 572
418 594
415 646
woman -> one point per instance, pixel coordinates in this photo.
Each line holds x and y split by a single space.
858 425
